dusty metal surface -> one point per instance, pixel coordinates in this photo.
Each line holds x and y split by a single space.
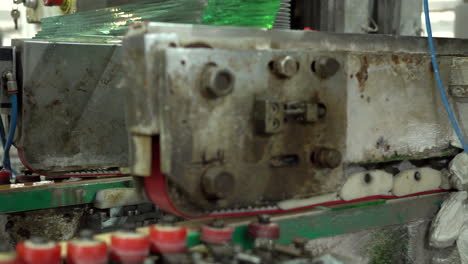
56 224
72 109
394 108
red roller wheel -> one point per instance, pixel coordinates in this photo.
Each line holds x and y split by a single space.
38 250
86 250
217 233
264 228
168 239
5 176
129 247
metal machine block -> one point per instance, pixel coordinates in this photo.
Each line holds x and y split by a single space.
362 101
72 114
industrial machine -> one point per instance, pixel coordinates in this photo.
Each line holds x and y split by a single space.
231 122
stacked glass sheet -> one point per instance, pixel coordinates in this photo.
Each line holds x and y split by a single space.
110 24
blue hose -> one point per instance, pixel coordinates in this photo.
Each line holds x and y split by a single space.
11 132
443 94
2 133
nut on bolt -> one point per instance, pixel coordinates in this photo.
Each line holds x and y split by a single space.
286 67
325 67
218 183
217 81
326 158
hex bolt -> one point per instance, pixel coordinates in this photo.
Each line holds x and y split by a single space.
216 81
326 158
218 183
325 67
264 219
285 67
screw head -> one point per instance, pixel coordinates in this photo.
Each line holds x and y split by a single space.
286 67
218 183
217 82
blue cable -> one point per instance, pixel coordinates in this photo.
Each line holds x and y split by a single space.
11 132
443 94
2 133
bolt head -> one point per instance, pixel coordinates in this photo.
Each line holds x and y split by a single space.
286 67
217 82
327 158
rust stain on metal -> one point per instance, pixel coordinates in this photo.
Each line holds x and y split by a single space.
363 75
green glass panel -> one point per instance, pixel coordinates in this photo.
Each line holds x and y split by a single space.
110 24
255 13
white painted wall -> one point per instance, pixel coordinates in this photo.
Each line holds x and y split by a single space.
7 27
442 18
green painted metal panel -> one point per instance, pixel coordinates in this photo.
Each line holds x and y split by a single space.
346 219
56 195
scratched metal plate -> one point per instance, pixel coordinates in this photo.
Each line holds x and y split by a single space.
72 109
200 133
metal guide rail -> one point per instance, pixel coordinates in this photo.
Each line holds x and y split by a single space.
262 239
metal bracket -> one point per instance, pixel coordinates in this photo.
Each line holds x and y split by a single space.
271 116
